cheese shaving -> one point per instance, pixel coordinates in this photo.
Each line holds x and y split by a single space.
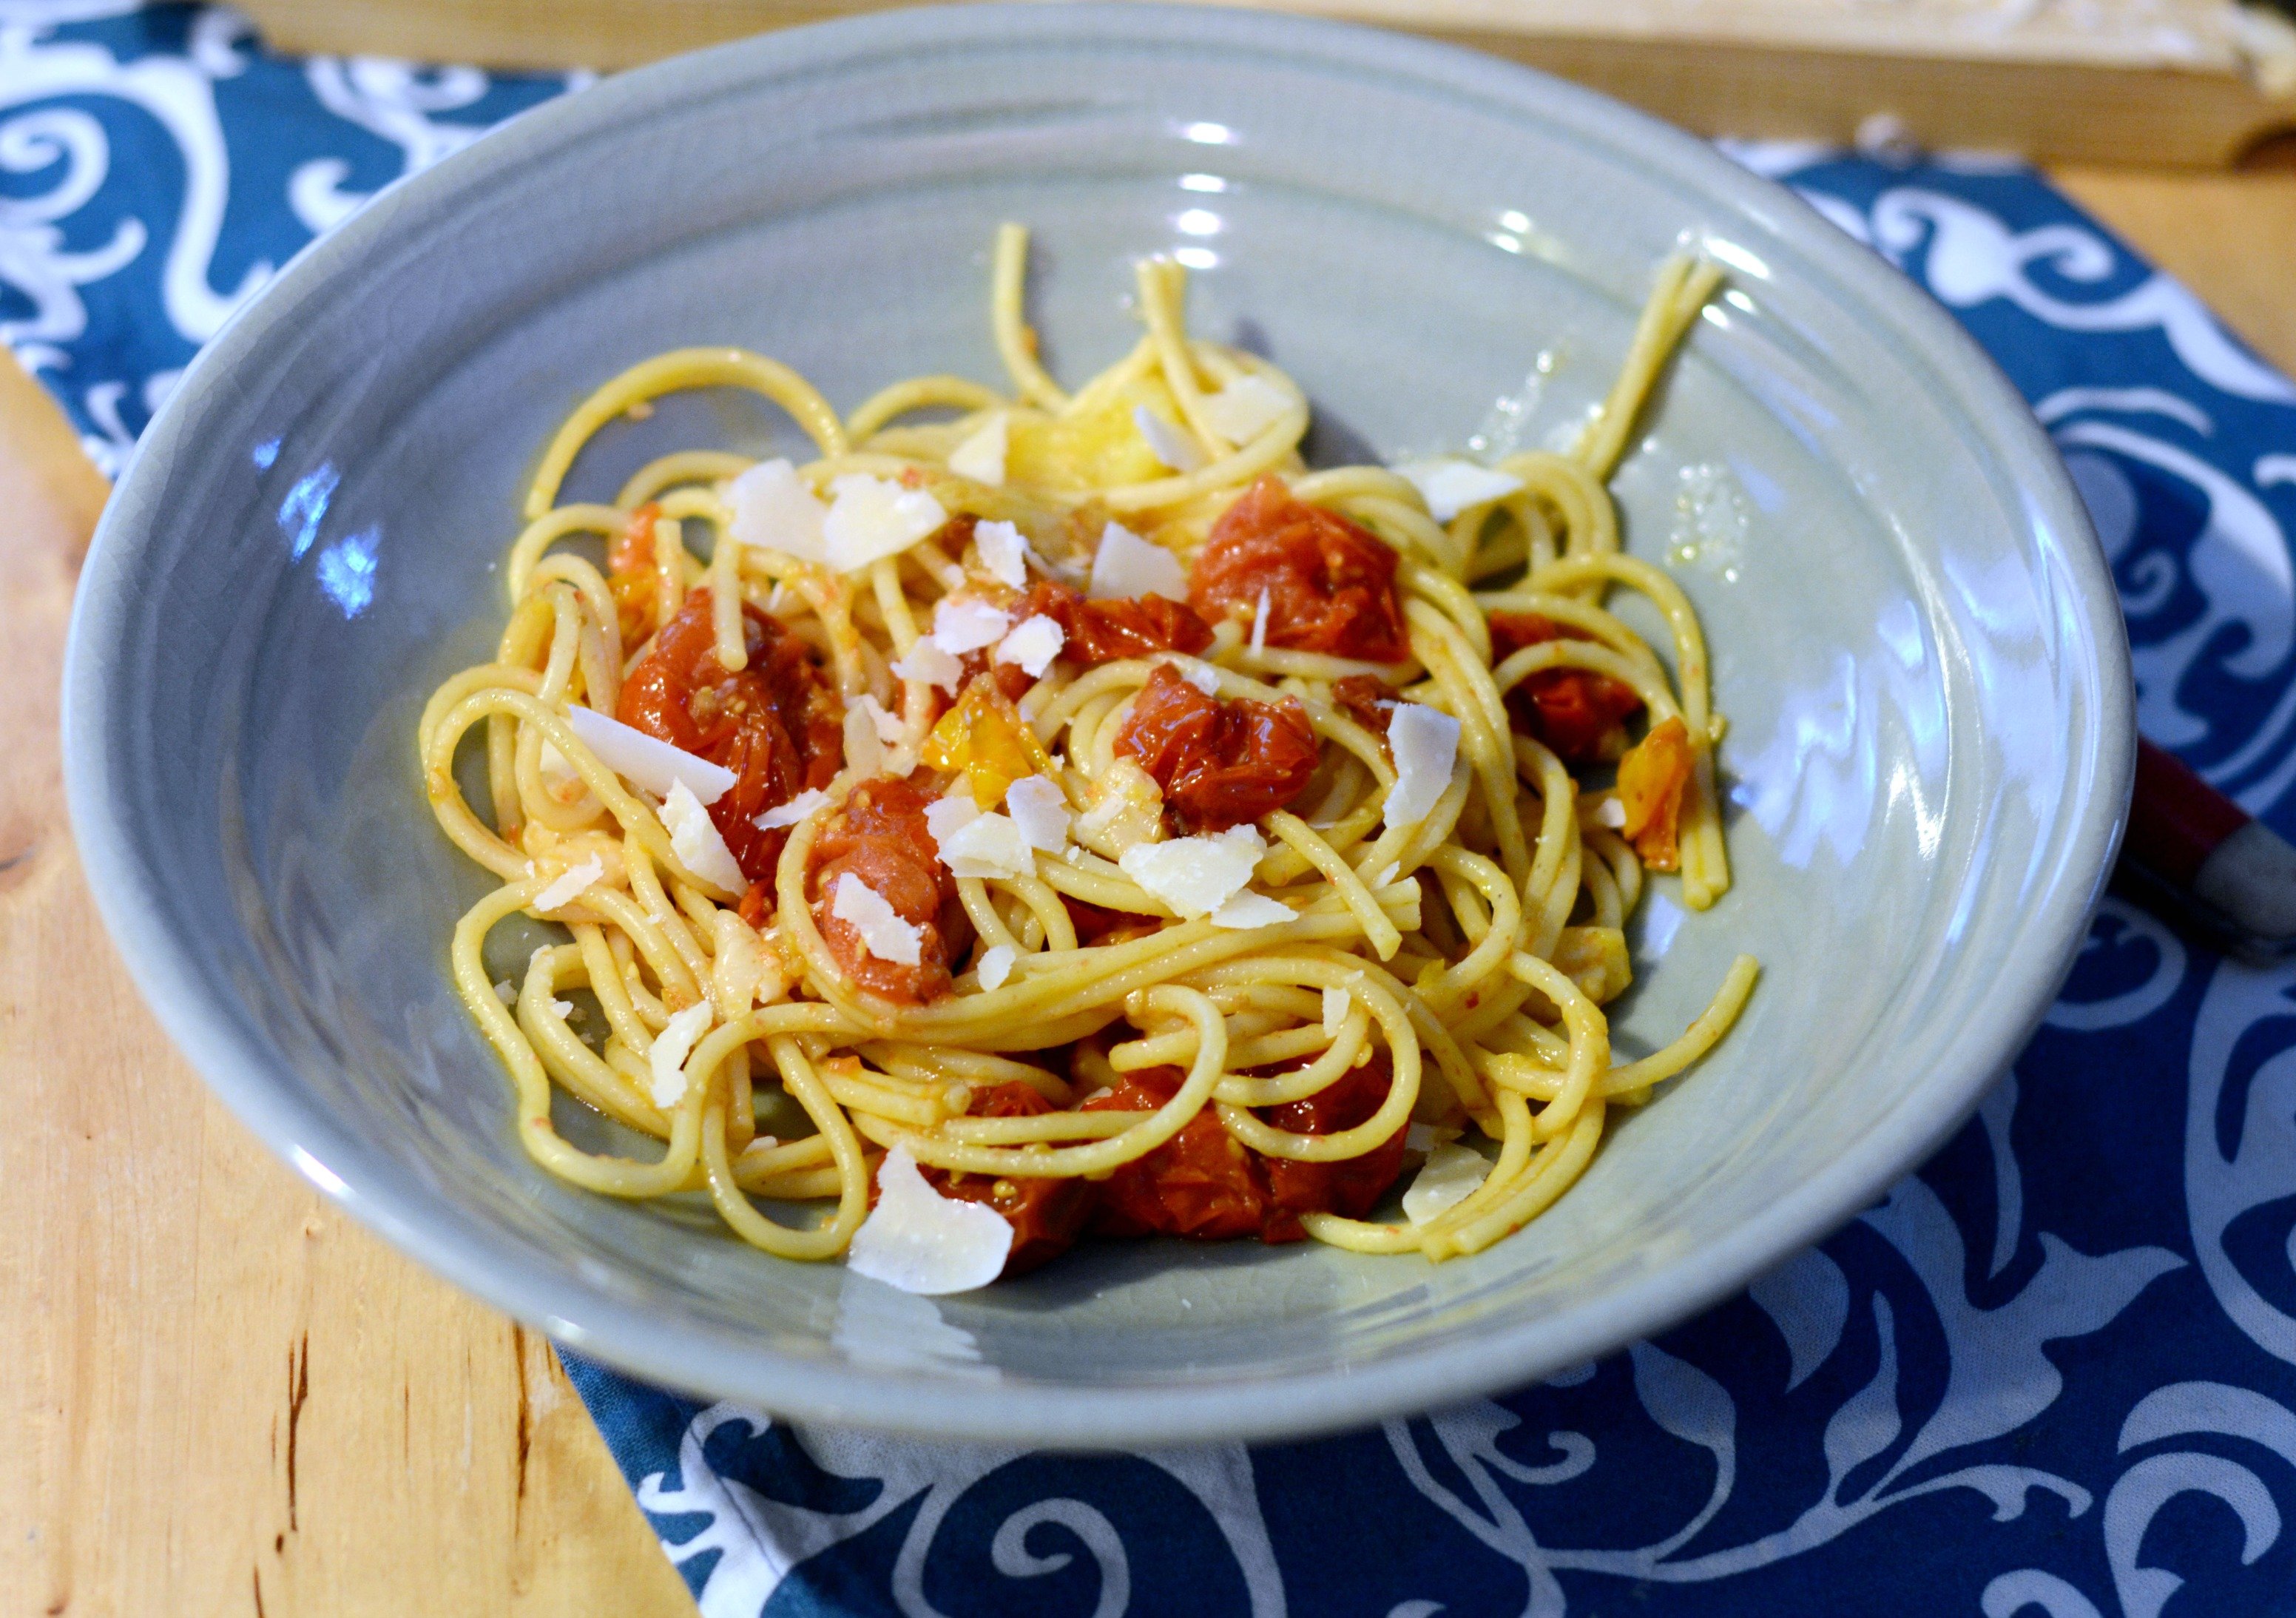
1425 742
1613 813
996 966
981 456
1004 553
796 809
871 518
1450 485
1245 911
694 838
1169 444
962 624
1127 565
1041 810
672 1046
884 932
1033 644
1203 676
505 993
570 884
920 1240
1195 875
1259 624
988 846
1449 1177
774 510
1245 408
927 662
1385 874
1335 1012
889 724
645 762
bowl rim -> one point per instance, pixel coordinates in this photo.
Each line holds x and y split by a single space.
239 1068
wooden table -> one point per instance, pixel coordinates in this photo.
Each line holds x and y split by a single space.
222 1395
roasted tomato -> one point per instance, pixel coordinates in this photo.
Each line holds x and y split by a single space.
1369 703
776 724
1102 631
1202 1183
1330 586
1220 761
880 836
1094 925
1351 1186
629 573
1652 777
1206 1185
1575 711
1046 1214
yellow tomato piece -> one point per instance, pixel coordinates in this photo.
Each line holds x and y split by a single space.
1652 776
1099 446
985 739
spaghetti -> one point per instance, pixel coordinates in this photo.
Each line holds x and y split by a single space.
1076 801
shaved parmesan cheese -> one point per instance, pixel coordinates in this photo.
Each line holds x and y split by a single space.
1259 624
996 966
1246 911
1203 676
888 724
1033 644
1449 1177
645 762
928 662
1245 408
672 1046
1169 444
1041 810
1335 1011
962 624
1002 551
693 837
945 818
1450 485
870 518
1425 742
1385 874
505 993
737 965
1613 813
884 932
773 509
570 884
1127 565
788 813
922 1242
1196 876
864 749
1424 1137
987 846
981 457
557 770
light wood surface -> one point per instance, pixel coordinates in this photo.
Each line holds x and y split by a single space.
224 1397
2095 87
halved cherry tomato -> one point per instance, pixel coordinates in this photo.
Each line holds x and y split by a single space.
1330 585
1220 761
1652 777
1102 631
1575 711
776 725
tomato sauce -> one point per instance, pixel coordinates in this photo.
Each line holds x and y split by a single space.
1206 1185
880 836
776 725
1220 761
1046 1215
1575 711
1104 631
1330 585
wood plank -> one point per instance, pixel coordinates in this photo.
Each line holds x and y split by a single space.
1788 72
223 1395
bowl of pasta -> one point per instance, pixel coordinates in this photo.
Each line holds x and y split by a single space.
1095 724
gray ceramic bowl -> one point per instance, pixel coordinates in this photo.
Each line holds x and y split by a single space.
1916 640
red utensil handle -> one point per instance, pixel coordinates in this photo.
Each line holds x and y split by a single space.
2210 854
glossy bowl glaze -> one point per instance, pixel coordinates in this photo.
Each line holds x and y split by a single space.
1913 636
